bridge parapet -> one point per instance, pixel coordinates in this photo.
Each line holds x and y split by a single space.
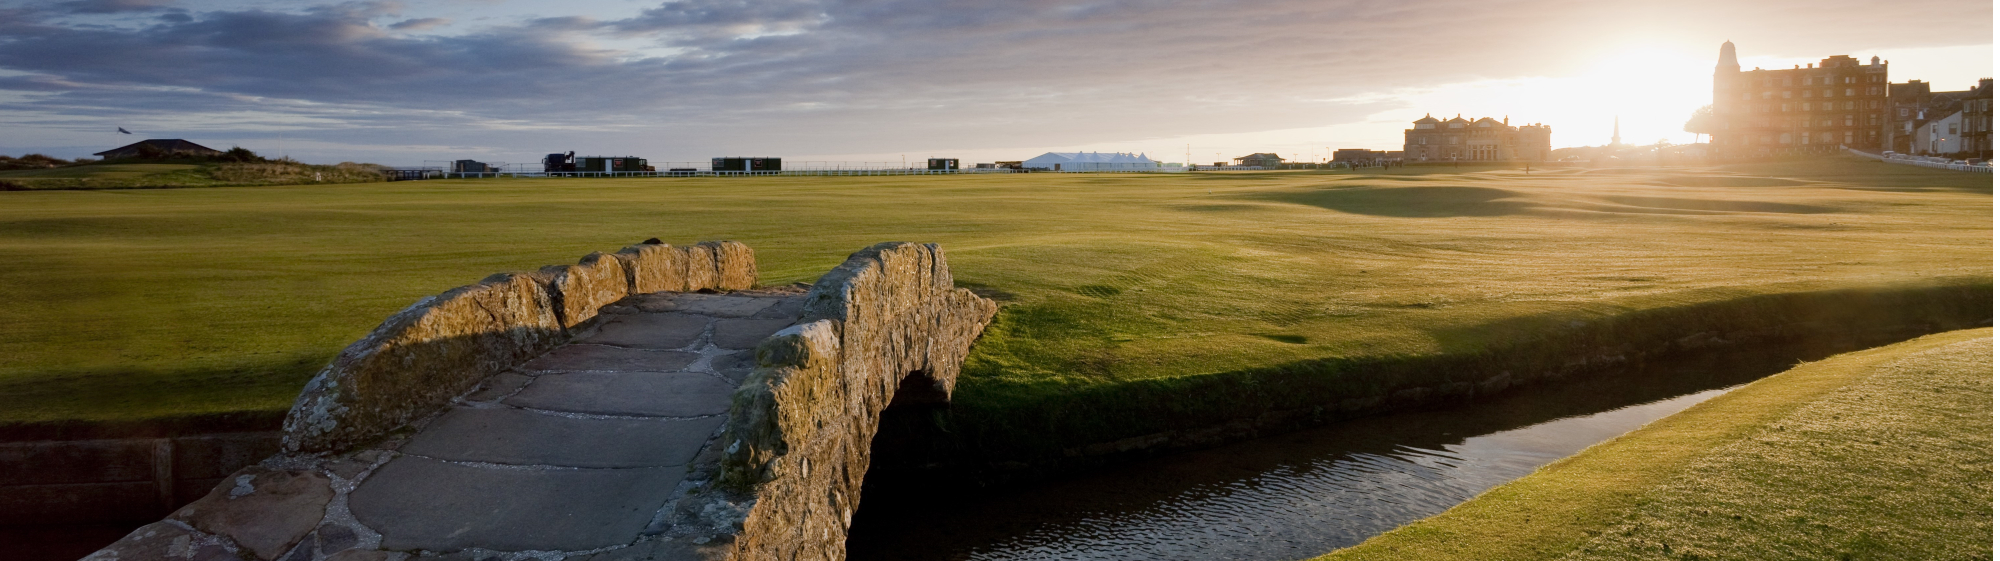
600 412
885 326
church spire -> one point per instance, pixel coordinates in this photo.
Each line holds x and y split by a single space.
1726 62
1614 131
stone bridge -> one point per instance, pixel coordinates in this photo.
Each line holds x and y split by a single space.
647 404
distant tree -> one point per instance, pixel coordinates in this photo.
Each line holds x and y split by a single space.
31 161
241 154
1703 121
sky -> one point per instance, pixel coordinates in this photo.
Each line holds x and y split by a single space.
416 83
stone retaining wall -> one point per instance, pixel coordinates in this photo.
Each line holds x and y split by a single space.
886 325
118 480
417 360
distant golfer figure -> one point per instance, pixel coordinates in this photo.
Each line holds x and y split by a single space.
122 129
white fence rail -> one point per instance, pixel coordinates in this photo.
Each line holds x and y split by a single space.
1909 160
438 174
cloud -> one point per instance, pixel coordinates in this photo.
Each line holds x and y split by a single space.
112 6
419 24
865 75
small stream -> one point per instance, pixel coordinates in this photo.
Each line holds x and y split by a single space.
1300 494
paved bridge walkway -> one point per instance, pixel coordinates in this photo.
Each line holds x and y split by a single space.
583 448
448 432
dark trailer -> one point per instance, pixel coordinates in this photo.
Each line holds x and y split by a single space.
947 164
559 162
612 163
746 164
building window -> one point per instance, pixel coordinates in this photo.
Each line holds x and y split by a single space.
1877 104
1850 91
1903 113
1874 119
1785 138
1848 106
1847 80
1767 95
1826 138
1766 139
1828 106
1850 120
1787 94
1426 127
1805 93
1746 95
1423 140
1785 108
1850 137
1788 80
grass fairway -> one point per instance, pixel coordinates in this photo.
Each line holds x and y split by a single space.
1880 454
140 304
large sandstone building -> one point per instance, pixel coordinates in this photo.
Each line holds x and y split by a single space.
1816 109
1483 140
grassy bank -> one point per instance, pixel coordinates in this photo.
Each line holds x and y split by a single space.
1880 454
156 303
169 175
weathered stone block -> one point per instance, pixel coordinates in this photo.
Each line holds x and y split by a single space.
745 333
163 540
418 503
596 280
420 358
700 260
217 455
654 268
265 511
800 425
735 265
649 331
517 437
583 358
79 503
657 394
86 461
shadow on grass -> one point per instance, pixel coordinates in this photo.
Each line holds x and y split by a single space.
133 402
1717 205
1727 181
1413 202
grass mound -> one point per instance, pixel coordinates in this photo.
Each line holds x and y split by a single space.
173 173
1878 454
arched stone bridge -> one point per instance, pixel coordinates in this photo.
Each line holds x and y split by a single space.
647 404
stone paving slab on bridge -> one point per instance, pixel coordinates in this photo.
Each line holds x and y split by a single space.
580 448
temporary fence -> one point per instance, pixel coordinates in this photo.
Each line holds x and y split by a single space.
439 174
1924 161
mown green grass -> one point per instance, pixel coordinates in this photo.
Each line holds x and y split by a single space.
147 303
1879 454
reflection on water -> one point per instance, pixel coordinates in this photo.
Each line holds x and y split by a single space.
1300 494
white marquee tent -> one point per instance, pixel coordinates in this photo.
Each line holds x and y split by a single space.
1091 161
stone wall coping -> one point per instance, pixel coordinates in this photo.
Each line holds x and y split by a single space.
419 358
